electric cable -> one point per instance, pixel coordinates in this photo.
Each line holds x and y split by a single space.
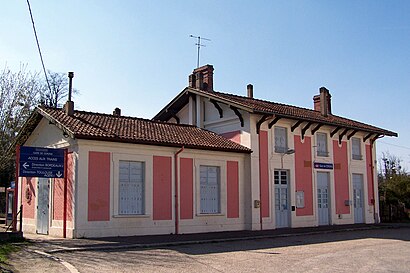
395 145
38 45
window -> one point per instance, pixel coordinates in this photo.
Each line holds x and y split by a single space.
321 142
281 177
356 149
281 189
281 140
210 192
131 189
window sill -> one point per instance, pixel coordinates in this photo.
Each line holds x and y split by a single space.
281 150
132 216
209 214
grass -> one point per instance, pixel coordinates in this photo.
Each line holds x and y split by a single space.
5 250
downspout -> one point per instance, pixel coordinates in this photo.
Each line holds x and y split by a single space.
372 168
65 193
260 186
176 189
66 153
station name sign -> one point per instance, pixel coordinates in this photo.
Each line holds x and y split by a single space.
41 162
327 166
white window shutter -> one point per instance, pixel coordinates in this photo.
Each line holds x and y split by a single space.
131 190
281 140
209 189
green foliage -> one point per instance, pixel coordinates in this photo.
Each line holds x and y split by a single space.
5 250
394 182
395 190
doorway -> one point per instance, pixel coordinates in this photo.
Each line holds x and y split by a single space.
282 213
323 202
43 205
358 198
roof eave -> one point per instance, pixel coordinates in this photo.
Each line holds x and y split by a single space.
56 122
164 144
163 111
379 131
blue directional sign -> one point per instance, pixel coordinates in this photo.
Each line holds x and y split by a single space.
41 162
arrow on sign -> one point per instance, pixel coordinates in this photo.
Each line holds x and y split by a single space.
59 174
26 165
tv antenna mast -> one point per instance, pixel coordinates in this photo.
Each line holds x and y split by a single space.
199 45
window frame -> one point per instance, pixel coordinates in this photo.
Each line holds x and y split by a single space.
358 141
320 152
201 209
148 186
142 208
280 149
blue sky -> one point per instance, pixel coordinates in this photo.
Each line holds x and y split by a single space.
137 55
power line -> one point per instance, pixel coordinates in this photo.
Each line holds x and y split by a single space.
38 45
395 145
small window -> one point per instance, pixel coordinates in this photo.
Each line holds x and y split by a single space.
356 149
281 177
281 140
210 193
321 142
131 188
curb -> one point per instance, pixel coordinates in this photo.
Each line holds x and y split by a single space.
215 240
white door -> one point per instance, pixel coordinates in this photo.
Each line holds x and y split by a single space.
358 198
282 213
43 208
323 198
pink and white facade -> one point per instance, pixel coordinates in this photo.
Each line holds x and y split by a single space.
308 167
99 205
271 166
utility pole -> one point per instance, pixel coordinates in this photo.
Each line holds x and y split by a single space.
198 44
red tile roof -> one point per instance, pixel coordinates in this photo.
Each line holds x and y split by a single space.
258 106
96 126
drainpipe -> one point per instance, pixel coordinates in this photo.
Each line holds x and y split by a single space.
371 166
65 194
176 189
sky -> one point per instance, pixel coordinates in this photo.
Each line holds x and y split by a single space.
137 55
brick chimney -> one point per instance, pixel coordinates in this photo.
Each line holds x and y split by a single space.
202 78
249 87
322 102
117 112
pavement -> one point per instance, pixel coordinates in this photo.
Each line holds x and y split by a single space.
52 245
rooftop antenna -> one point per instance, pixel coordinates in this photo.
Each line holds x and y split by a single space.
199 45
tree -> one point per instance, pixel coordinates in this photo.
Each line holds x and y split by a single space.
394 182
20 92
56 90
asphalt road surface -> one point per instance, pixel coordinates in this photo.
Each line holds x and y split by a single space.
380 250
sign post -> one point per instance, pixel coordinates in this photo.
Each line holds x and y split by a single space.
16 190
44 163
41 162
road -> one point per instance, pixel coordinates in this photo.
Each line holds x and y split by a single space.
380 250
